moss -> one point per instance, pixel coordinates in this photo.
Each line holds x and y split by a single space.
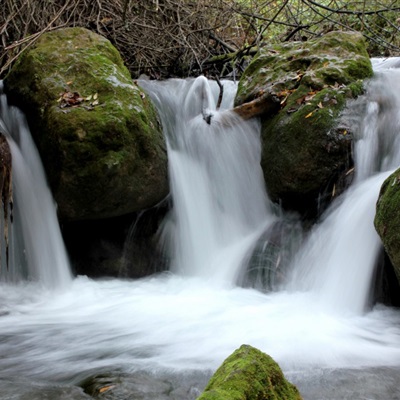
356 89
80 141
304 153
336 57
387 219
249 374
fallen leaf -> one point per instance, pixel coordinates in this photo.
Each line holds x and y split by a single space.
106 388
300 100
95 103
309 115
320 105
284 100
69 99
298 76
89 98
309 97
95 96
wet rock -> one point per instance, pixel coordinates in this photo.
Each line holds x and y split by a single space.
249 374
379 383
125 246
387 219
268 266
143 386
306 147
25 390
98 134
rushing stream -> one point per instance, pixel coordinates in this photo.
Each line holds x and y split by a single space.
319 326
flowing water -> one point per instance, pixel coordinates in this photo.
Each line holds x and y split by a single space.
319 326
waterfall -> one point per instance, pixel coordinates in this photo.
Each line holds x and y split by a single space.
320 326
37 250
339 259
220 204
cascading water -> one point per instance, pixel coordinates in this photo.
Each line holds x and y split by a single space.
37 250
318 328
343 249
220 204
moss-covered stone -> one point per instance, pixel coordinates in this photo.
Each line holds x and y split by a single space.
387 219
249 374
104 155
306 148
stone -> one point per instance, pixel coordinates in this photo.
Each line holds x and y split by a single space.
249 374
387 219
97 131
306 146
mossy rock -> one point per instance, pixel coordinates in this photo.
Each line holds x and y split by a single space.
249 374
98 134
387 219
306 146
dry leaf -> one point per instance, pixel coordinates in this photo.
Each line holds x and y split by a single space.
298 76
89 98
106 388
95 103
320 105
284 100
70 99
309 115
95 96
300 100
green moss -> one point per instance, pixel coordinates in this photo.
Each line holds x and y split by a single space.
249 374
338 57
356 89
387 219
86 140
304 155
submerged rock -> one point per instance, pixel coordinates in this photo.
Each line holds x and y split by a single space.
143 385
98 134
306 147
21 389
249 374
387 219
269 265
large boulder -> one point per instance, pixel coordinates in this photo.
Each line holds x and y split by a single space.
387 219
98 134
249 374
306 146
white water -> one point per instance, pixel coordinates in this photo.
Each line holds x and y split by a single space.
37 249
220 203
194 317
